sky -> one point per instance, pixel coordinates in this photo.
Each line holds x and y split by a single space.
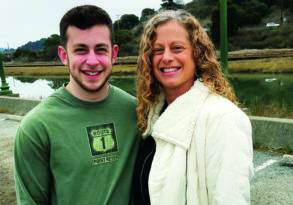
22 21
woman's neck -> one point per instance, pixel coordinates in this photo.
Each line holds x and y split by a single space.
172 93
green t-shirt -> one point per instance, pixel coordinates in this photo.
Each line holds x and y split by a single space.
68 151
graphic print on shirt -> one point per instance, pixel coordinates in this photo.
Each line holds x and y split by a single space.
103 143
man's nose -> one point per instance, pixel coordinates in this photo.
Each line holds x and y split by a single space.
92 59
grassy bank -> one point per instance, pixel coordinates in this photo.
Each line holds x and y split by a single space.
60 70
266 65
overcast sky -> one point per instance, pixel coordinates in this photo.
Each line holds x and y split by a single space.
30 20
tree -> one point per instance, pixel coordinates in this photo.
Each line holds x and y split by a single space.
233 24
24 55
127 21
251 12
6 56
283 5
240 13
50 47
180 2
208 2
34 45
170 5
116 25
126 41
122 36
53 40
287 4
200 9
146 14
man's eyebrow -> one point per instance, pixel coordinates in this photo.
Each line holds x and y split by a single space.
102 45
79 45
99 45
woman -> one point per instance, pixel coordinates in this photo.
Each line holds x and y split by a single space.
198 147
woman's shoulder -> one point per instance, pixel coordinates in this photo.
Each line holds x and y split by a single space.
216 105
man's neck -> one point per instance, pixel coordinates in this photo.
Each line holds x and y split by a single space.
84 95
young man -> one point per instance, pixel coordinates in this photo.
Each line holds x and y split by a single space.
79 145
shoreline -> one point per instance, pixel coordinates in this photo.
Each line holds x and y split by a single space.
262 66
243 61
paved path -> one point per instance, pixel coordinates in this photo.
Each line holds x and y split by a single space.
7 132
271 185
273 181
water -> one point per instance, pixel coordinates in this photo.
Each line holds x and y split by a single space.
41 87
259 94
265 95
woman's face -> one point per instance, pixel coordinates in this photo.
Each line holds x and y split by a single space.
173 61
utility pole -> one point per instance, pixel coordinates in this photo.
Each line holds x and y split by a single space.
224 36
118 21
4 88
282 13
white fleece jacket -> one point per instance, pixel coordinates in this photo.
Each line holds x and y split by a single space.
203 151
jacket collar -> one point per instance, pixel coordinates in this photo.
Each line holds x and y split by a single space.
176 124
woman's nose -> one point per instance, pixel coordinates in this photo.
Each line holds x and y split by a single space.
167 56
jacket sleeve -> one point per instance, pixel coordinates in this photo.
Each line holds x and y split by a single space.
229 159
31 169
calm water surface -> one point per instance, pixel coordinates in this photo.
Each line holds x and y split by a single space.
263 95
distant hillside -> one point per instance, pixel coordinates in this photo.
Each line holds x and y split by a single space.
34 45
247 30
5 50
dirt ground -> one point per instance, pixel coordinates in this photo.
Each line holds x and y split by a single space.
7 133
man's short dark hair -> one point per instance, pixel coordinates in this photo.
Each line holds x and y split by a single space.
84 17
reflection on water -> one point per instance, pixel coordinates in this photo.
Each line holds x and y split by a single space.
126 83
42 87
264 95
33 87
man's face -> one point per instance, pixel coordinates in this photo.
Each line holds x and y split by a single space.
89 56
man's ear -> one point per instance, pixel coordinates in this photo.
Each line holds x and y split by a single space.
63 55
115 50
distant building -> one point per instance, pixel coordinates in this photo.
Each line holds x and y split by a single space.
206 29
272 24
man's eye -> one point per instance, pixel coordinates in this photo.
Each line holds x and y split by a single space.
158 51
101 50
80 50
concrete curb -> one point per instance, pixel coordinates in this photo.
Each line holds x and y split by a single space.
16 105
274 133
287 160
17 118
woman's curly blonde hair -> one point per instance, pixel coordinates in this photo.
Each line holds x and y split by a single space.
207 67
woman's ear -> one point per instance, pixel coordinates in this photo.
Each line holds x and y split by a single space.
63 55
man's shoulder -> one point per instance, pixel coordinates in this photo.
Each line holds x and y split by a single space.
123 96
43 111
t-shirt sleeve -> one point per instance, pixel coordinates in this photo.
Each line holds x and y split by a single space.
31 168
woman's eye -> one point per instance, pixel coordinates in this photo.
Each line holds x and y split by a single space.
178 48
158 51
